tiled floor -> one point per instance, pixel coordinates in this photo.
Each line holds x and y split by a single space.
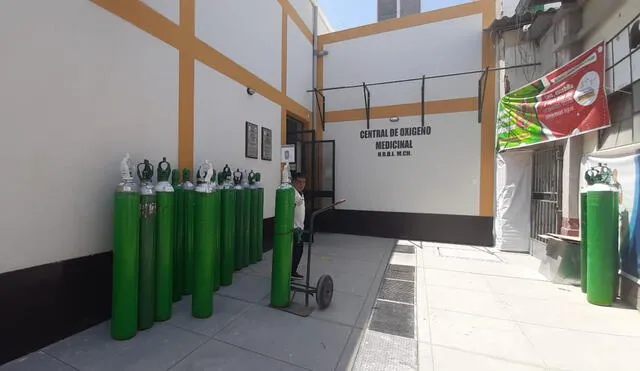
244 333
487 310
472 309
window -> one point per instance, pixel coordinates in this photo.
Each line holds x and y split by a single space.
623 85
623 129
623 57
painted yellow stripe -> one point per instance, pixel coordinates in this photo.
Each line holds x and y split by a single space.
295 17
488 130
404 110
147 19
404 22
223 64
186 86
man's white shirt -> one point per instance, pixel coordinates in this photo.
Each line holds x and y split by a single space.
298 216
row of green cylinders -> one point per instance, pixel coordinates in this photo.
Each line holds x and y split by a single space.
599 258
179 238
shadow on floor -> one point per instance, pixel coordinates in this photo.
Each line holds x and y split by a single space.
244 332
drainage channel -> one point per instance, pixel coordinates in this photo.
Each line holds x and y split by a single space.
390 337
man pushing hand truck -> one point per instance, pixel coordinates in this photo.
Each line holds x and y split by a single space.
299 182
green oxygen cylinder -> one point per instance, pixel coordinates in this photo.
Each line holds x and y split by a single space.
283 243
260 217
147 275
164 242
228 226
188 197
246 216
255 199
583 240
239 232
217 209
124 310
602 242
202 298
178 251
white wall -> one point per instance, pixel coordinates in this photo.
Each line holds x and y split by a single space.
441 177
603 19
305 10
168 8
402 54
222 107
324 26
299 65
248 31
79 88
601 22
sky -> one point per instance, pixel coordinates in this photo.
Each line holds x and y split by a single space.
343 14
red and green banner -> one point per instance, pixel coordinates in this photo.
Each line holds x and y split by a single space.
568 101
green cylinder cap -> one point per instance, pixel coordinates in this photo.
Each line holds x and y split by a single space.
186 174
175 177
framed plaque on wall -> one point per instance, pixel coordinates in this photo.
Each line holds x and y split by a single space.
251 140
266 144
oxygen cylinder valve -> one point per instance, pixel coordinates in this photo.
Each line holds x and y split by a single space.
175 177
146 173
209 173
186 174
227 173
237 177
164 173
286 174
125 168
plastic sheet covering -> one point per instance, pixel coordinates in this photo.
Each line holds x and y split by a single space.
513 201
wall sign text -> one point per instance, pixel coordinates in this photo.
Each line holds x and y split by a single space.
394 142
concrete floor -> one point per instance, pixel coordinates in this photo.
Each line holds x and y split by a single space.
463 308
244 333
484 310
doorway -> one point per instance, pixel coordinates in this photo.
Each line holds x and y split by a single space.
316 159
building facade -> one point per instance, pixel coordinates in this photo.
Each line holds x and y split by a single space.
551 37
390 9
85 82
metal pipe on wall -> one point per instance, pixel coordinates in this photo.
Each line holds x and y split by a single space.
314 65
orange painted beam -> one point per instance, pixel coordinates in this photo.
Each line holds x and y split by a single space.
186 88
395 24
405 110
297 19
488 130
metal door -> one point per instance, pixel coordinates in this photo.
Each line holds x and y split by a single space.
546 192
315 159
321 192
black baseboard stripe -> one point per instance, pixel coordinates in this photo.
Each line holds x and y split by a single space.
47 303
455 229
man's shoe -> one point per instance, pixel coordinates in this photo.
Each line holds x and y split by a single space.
296 276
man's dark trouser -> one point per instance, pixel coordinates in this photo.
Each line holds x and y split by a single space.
298 244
